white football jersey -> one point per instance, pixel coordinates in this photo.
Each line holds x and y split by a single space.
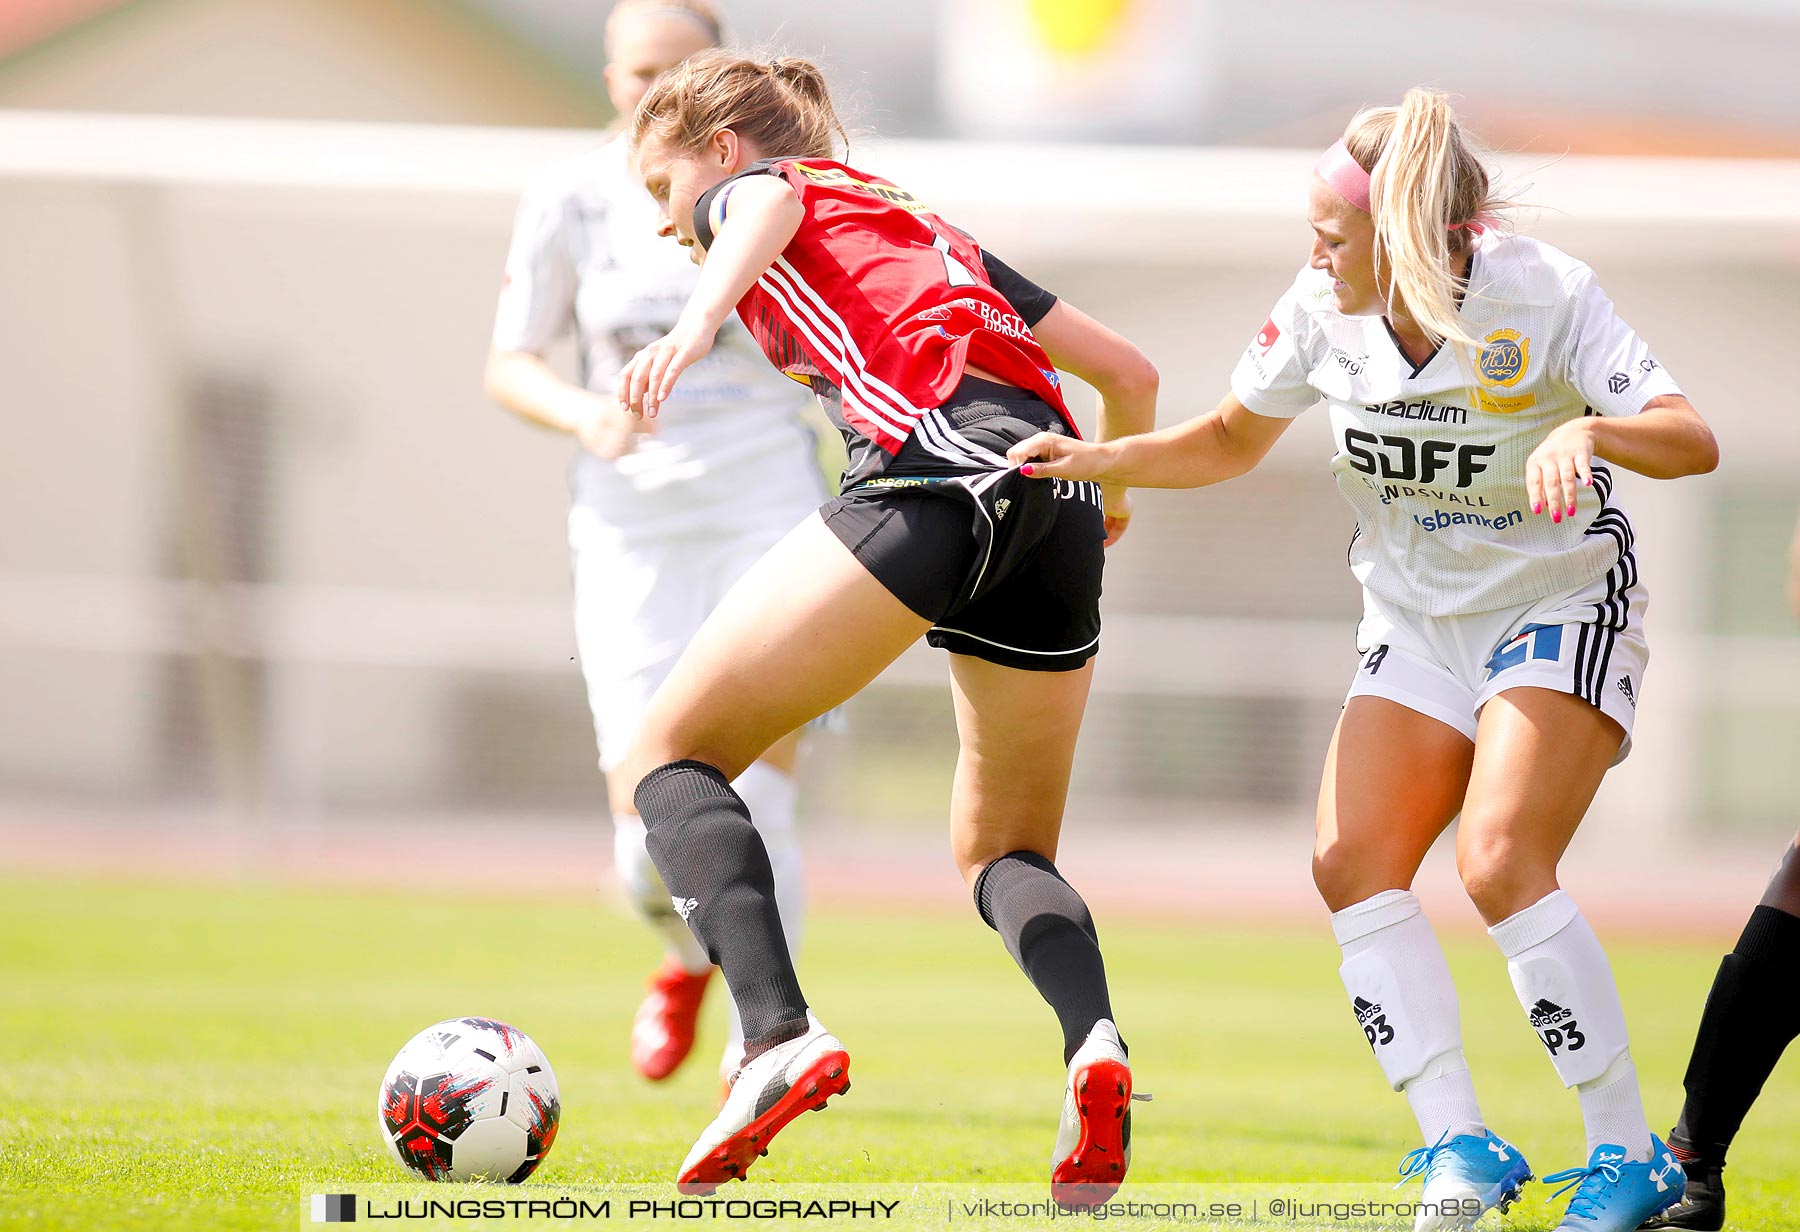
1435 469
585 254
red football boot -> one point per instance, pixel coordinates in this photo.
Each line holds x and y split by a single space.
662 1033
1093 1143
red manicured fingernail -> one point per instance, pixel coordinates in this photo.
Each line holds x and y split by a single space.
1571 512
1025 470
1537 506
1555 516
1588 482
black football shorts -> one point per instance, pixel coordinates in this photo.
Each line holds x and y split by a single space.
1007 568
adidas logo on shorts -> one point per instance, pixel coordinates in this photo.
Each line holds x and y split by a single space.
1625 688
684 907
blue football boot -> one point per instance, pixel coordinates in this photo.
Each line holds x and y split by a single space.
1614 1196
1465 1177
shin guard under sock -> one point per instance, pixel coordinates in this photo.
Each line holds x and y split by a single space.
1566 985
1403 998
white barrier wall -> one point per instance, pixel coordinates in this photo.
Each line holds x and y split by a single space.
265 545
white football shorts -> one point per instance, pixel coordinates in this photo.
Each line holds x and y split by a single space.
1589 642
640 600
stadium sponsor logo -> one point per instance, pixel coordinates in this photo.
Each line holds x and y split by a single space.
1439 519
1373 1022
1420 408
1409 460
1505 355
1556 1026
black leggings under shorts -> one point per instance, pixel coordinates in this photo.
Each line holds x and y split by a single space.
1007 568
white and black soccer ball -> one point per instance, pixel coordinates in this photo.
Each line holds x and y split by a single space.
470 1099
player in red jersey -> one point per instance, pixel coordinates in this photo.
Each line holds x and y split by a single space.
933 357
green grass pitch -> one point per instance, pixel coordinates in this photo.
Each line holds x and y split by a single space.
202 1057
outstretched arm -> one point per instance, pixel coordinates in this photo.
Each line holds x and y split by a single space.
1123 376
765 213
1206 450
524 384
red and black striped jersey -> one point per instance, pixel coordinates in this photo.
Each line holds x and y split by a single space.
881 306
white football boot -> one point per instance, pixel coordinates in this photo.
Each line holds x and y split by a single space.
766 1094
1093 1143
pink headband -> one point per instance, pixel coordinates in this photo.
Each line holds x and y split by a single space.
1344 175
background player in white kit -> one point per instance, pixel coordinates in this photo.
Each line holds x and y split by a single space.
1478 384
666 514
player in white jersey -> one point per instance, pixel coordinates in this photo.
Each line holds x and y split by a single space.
1479 386
662 521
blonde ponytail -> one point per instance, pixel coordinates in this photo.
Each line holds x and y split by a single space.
1426 188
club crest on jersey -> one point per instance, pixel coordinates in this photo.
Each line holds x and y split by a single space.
1505 354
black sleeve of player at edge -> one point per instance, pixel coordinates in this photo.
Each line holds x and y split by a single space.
1029 300
703 207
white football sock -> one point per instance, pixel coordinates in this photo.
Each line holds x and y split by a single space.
1612 1110
1566 986
649 898
1405 1002
770 796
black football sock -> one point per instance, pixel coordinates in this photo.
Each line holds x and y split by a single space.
713 861
1049 933
1751 1015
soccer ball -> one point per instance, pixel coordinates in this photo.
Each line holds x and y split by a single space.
470 1099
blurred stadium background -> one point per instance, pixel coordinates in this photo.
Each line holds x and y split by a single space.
282 592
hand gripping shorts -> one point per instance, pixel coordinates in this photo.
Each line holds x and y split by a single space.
1007 568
